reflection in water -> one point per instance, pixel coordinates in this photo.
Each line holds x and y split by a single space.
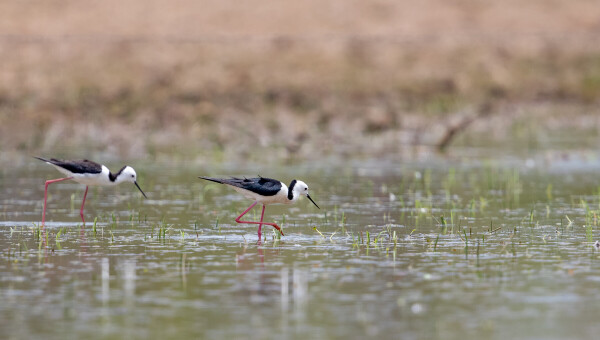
183 272
299 293
129 278
83 239
285 298
285 290
105 294
299 289
105 274
129 282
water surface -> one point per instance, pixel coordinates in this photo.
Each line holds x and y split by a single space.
448 248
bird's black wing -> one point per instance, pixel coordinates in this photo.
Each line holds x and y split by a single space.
260 185
77 167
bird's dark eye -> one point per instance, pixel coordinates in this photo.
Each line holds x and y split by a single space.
132 175
305 189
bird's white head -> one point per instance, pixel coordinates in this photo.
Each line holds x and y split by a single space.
299 188
128 174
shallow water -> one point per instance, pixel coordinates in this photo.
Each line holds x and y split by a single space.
443 248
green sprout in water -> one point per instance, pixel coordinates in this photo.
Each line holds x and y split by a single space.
444 224
317 230
589 233
217 225
94 226
114 221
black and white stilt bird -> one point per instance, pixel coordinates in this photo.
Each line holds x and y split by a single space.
265 191
88 173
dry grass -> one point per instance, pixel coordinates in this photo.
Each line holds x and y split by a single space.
148 77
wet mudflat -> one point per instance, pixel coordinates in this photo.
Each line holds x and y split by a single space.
444 248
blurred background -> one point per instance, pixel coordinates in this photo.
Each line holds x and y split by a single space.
224 80
452 146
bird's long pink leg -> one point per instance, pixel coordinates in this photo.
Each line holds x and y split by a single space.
262 215
46 194
244 213
261 219
82 204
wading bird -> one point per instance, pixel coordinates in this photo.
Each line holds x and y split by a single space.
88 173
265 191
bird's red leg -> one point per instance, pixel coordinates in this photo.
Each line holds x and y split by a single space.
259 223
82 204
46 195
244 213
262 215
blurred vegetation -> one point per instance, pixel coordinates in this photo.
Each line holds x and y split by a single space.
131 89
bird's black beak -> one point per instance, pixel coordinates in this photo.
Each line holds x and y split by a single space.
140 189
313 202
